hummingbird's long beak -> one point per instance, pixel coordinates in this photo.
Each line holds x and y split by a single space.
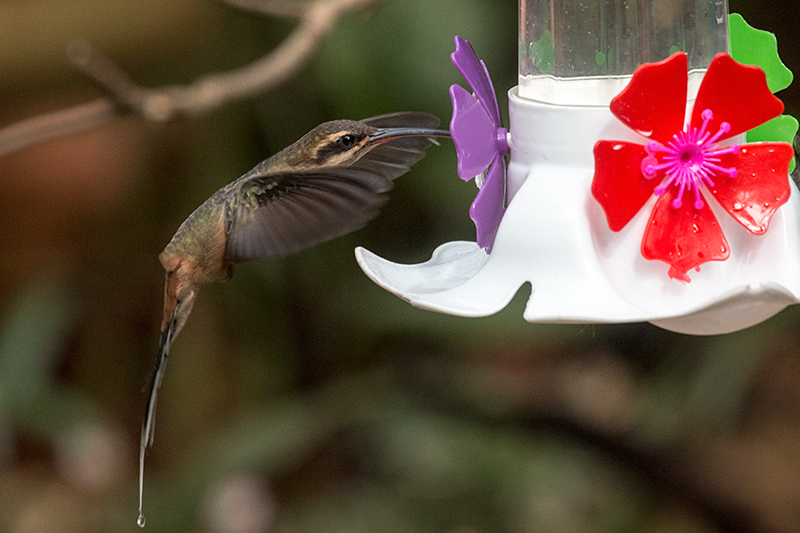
387 134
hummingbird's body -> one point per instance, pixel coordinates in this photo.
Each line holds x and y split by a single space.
330 182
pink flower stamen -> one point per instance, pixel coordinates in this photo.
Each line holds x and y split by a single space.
690 159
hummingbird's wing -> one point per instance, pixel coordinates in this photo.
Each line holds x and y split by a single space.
393 159
278 214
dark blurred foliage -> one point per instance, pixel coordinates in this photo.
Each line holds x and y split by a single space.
301 397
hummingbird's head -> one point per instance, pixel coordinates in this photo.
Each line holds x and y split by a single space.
336 143
343 142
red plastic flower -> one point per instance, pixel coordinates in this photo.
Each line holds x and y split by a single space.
749 181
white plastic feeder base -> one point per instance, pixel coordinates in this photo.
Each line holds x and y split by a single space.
555 236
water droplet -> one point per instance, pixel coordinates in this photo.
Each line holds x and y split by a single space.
738 206
140 521
766 205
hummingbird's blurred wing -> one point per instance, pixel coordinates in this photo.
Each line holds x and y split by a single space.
404 119
392 159
298 209
295 211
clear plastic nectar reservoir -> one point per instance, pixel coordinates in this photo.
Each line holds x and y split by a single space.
583 52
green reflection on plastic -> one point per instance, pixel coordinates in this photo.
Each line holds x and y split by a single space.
542 53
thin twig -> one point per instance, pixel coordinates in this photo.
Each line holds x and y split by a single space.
317 19
56 124
272 8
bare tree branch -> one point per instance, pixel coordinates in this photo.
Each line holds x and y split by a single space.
56 124
272 8
317 19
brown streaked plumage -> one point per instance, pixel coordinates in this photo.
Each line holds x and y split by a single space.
329 183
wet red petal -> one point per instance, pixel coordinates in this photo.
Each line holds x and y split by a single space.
761 184
736 94
618 183
673 273
684 238
653 104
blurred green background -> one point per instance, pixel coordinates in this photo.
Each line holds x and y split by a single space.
301 397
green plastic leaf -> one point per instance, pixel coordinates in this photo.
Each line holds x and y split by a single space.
750 46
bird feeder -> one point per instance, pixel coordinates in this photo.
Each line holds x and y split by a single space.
643 176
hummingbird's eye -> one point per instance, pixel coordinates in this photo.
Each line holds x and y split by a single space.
347 141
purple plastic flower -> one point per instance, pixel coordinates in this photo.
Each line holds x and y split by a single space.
480 140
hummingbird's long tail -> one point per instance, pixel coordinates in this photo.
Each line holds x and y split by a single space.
169 330
149 424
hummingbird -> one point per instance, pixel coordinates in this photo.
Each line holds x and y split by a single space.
327 184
